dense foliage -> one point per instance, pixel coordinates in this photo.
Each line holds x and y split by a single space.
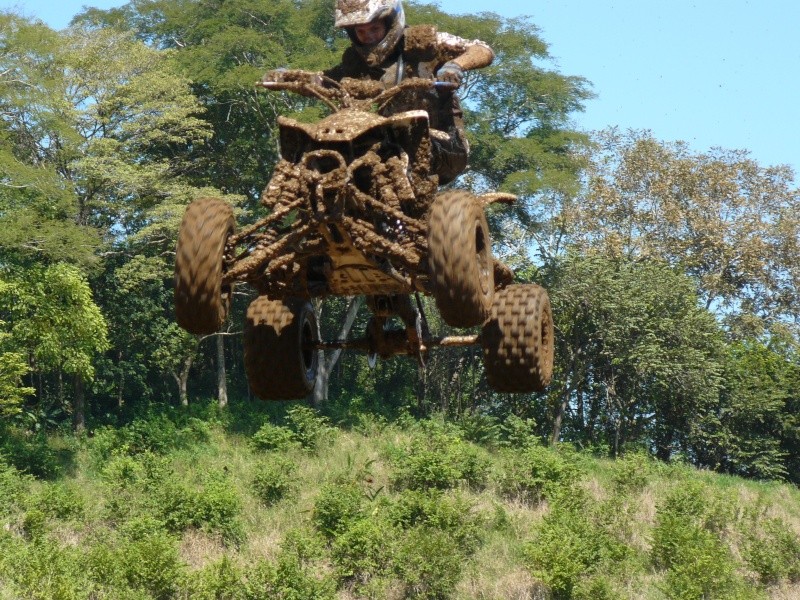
674 276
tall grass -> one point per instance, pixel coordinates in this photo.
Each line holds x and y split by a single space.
289 505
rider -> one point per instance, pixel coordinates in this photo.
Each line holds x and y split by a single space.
384 49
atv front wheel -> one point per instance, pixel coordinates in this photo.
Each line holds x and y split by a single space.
201 301
460 259
280 354
517 340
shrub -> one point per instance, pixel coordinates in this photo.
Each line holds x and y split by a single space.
141 557
480 429
218 507
220 580
437 459
595 588
273 437
429 562
154 434
688 507
535 473
274 480
29 453
772 550
687 543
364 551
292 576
214 507
571 544
42 571
337 507
631 473
310 429
58 501
519 433
435 510
13 486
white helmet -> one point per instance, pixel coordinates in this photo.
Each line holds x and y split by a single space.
350 13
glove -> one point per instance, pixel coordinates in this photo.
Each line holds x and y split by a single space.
275 75
450 72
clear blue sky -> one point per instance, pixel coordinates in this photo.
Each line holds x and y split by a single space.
708 72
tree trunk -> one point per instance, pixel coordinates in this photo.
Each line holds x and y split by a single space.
562 408
79 406
182 379
120 393
222 386
326 367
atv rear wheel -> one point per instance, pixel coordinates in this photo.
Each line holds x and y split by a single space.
460 259
201 301
280 354
517 340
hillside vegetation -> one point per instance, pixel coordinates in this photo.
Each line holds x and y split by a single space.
283 502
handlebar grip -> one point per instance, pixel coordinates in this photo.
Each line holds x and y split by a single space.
445 85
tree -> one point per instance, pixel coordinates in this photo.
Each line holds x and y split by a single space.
100 130
744 431
54 318
224 47
639 359
731 224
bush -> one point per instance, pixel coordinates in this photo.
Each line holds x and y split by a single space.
29 453
435 510
154 434
687 543
58 501
595 588
214 507
572 546
363 553
218 506
772 550
437 459
141 557
337 507
688 507
429 562
480 429
293 575
631 473
42 571
535 473
519 433
310 429
274 480
273 438
220 580
13 487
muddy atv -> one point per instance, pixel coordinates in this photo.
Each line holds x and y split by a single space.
353 209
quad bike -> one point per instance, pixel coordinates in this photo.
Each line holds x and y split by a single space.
354 209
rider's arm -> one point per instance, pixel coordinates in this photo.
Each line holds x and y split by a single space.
467 54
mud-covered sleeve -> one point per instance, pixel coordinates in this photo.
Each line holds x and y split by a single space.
348 67
468 54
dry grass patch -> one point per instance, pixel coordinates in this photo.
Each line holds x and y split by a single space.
198 549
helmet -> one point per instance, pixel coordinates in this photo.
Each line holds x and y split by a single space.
350 13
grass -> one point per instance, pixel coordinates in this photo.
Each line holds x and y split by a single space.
498 522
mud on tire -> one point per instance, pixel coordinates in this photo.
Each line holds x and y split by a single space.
201 301
517 340
280 357
460 259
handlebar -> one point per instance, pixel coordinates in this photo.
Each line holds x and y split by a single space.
348 92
